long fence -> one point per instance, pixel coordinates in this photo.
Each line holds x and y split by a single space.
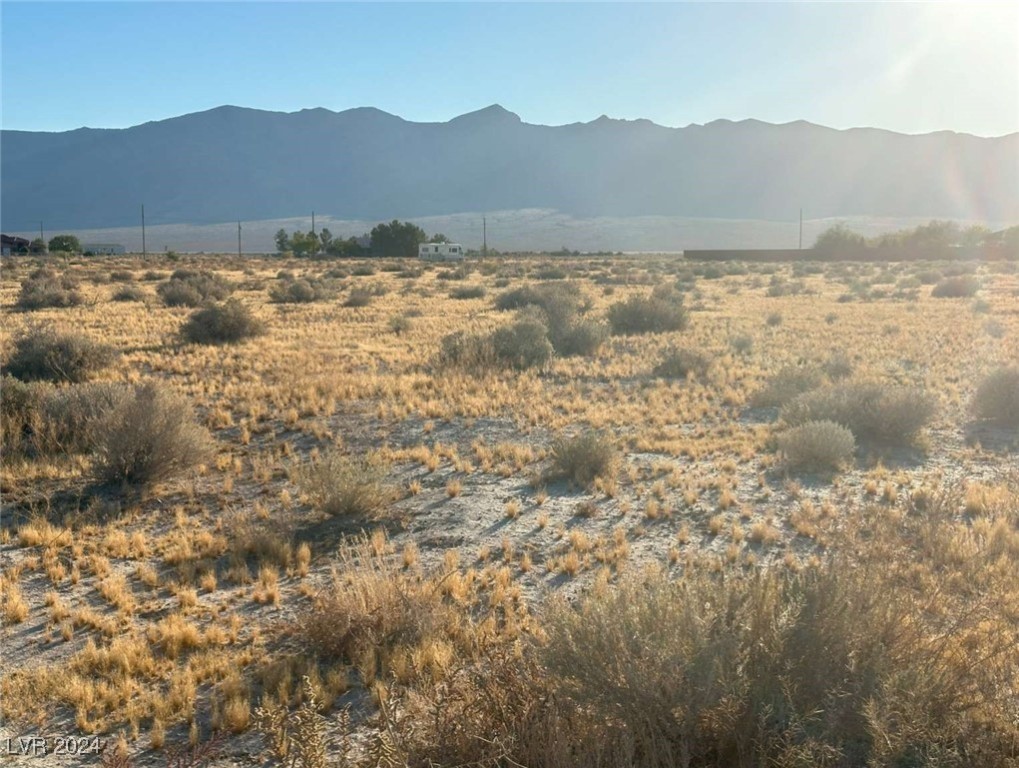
979 253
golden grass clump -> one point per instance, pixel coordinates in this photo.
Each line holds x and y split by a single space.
584 457
342 486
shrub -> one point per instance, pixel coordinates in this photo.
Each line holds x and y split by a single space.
580 338
41 420
660 312
466 350
522 345
399 324
789 383
960 286
20 414
342 486
517 298
742 343
121 276
226 323
559 307
929 276
838 366
149 436
816 445
550 273
130 293
584 457
558 298
300 291
358 298
44 288
193 288
371 610
679 363
997 397
889 415
770 668
179 294
468 292
46 355
72 416
458 273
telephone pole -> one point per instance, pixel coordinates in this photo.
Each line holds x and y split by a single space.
313 222
239 252
41 235
484 236
144 251
801 229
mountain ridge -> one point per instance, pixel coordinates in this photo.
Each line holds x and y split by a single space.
232 162
498 107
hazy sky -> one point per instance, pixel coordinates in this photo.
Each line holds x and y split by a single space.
910 67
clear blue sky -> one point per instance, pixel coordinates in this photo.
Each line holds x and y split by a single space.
906 67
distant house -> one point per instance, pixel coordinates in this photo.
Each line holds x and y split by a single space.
441 252
11 244
102 249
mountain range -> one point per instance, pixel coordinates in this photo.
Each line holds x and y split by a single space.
233 163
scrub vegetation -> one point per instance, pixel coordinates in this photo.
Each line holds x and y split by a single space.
543 511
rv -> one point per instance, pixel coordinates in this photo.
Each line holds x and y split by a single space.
441 252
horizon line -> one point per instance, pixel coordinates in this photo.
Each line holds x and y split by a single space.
498 109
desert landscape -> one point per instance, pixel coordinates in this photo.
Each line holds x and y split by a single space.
569 511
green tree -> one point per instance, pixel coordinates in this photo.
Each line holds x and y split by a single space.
65 243
839 238
975 235
936 234
325 237
37 246
305 244
282 241
349 248
1008 241
438 237
397 239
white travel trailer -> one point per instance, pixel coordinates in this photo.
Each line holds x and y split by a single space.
441 252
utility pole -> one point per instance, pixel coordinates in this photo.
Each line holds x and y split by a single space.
484 235
41 235
239 252
313 222
144 251
801 229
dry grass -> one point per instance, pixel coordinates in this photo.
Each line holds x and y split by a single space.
161 608
584 457
342 486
